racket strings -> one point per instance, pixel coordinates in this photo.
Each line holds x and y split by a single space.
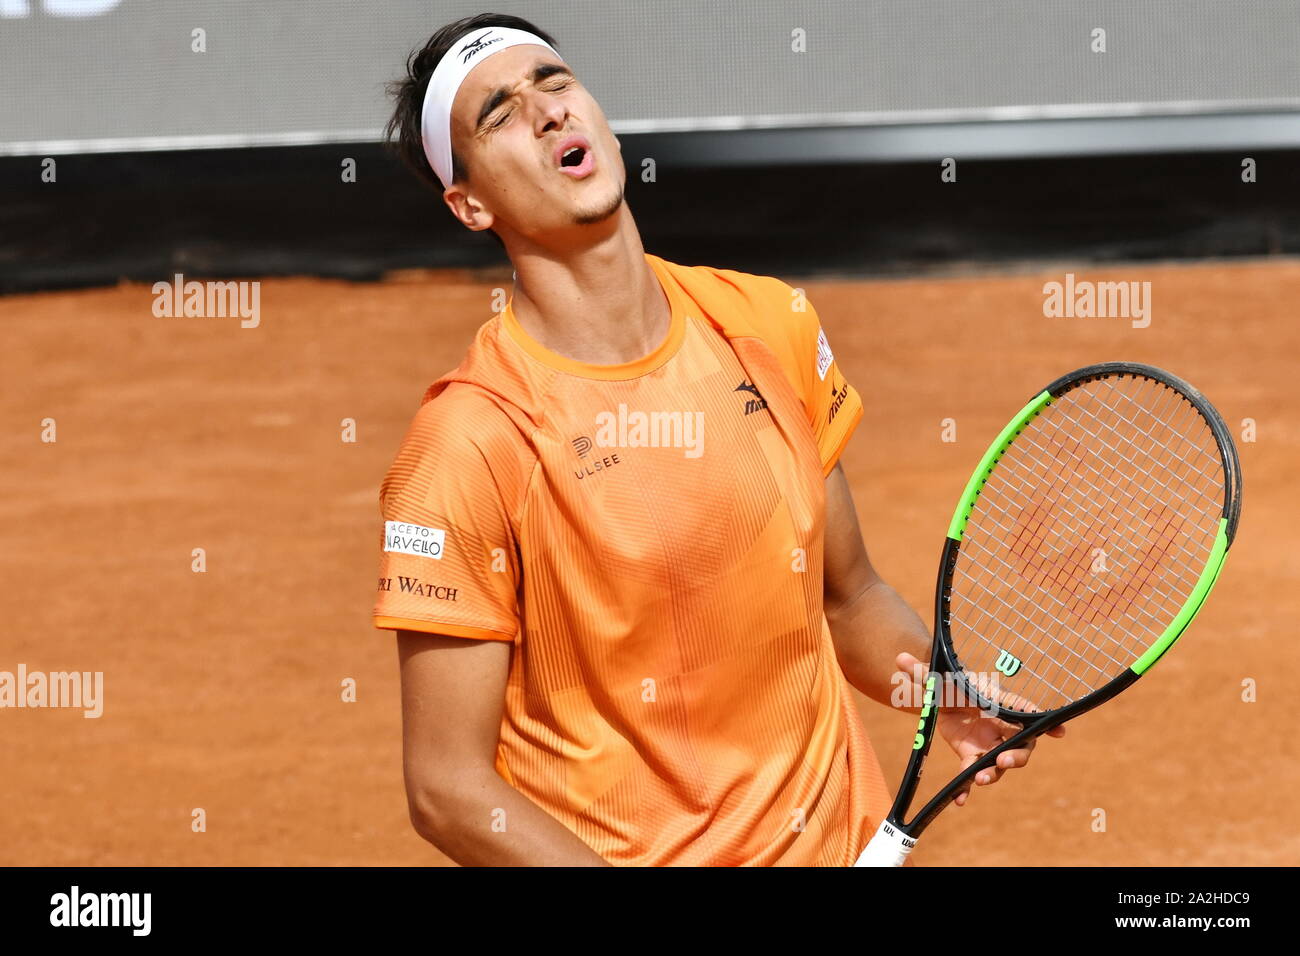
1160 415
1073 513
1193 560
1090 412
1182 409
1038 620
1053 496
1184 417
1086 540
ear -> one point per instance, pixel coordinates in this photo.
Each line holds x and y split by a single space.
467 210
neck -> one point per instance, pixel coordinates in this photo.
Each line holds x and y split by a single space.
600 304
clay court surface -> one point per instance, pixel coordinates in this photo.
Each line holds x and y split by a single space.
222 689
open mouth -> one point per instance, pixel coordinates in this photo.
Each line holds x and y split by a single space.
574 157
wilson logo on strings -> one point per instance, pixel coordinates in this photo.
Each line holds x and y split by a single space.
1007 663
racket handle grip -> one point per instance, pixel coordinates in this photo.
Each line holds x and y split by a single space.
889 847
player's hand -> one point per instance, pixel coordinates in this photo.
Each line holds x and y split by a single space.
972 732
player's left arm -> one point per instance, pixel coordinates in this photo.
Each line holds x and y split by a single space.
870 623
879 639
880 642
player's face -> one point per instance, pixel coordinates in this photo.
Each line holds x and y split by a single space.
515 116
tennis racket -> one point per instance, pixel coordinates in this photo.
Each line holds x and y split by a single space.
1086 541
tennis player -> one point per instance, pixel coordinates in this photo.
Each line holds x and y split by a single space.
619 550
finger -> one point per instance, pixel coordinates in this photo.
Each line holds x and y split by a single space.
1007 760
909 664
970 758
987 775
1010 759
1008 730
914 670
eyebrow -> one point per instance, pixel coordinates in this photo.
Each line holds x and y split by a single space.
500 94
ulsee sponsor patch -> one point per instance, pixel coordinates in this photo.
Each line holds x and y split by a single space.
406 538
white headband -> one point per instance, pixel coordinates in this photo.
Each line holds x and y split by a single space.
463 55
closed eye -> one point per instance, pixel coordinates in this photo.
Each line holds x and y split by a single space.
559 87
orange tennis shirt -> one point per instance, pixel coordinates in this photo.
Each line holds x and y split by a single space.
648 536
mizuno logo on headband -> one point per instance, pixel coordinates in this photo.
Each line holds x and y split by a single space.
477 46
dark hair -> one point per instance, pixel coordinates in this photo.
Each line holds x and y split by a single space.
409 92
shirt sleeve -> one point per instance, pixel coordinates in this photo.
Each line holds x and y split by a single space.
448 562
794 331
834 406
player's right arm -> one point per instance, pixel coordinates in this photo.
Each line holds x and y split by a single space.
449 577
453 691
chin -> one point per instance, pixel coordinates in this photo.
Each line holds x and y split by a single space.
600 211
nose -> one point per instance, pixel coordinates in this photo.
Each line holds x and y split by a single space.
551 112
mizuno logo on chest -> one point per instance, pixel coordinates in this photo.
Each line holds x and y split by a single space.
757 402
